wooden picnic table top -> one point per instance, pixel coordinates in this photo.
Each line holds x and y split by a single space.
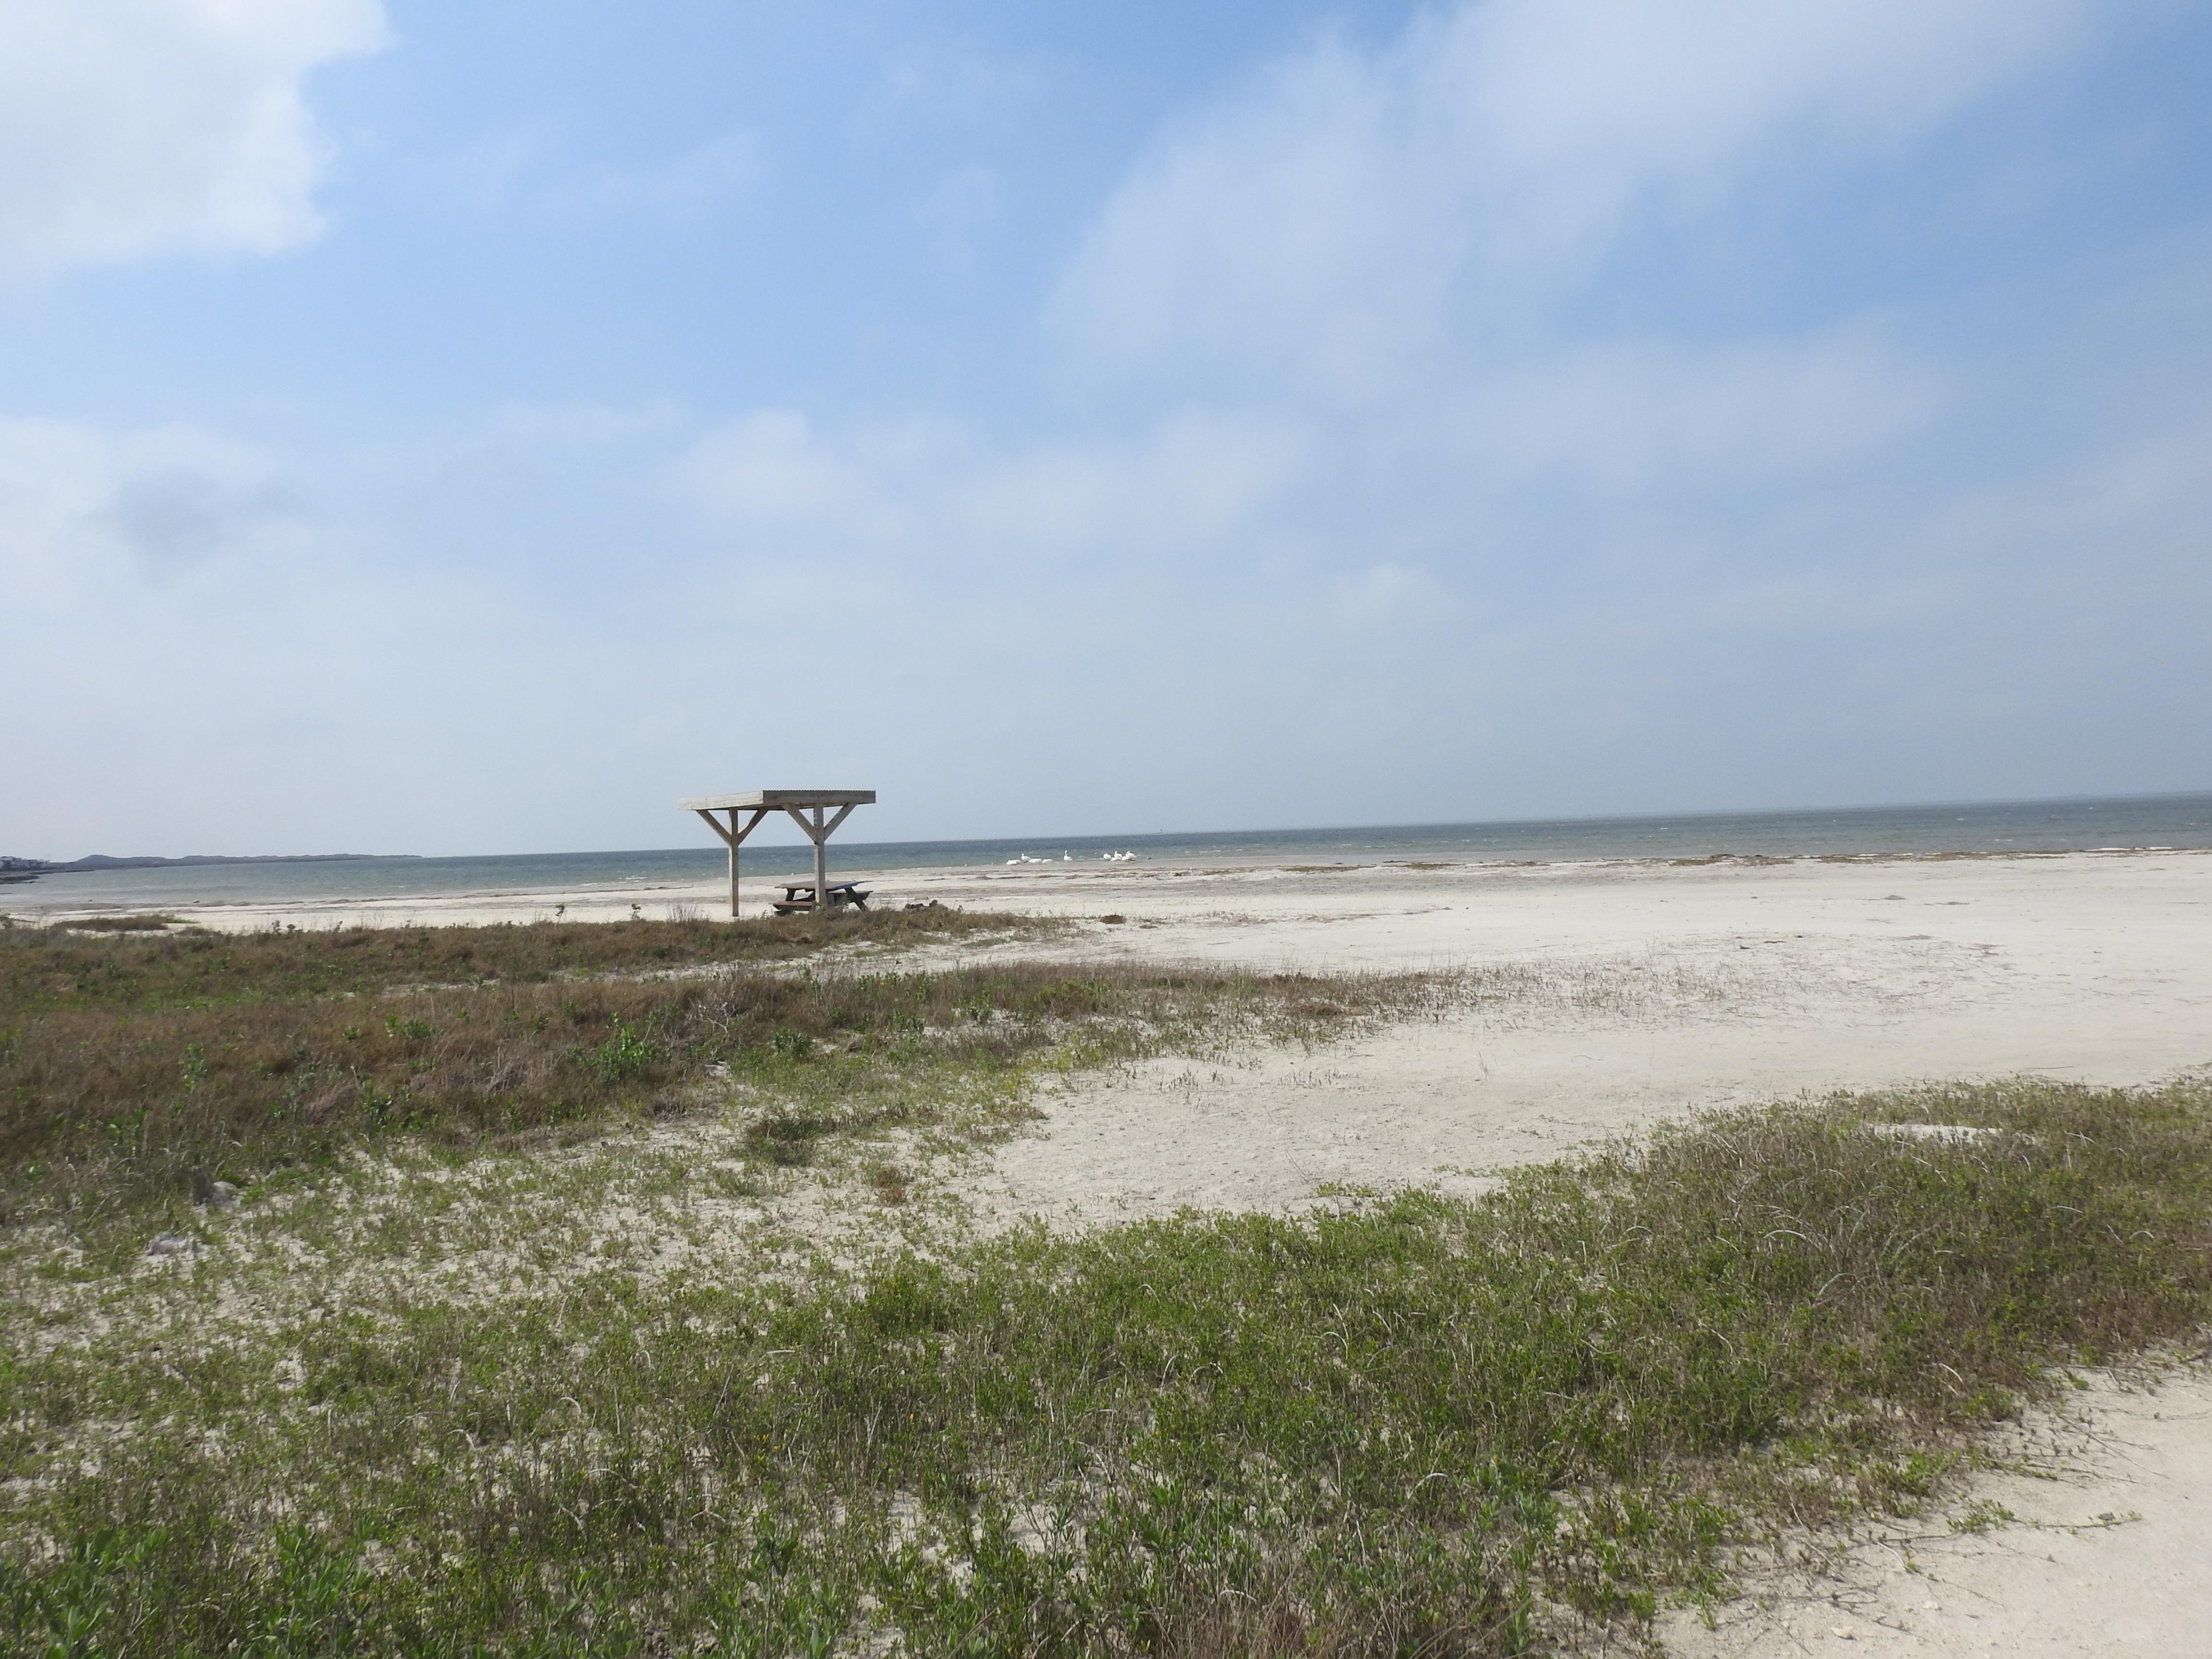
808 886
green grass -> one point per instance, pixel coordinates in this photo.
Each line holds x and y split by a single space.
62 970
1416 1426
130 1066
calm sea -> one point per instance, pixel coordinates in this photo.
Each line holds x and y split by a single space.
2139 821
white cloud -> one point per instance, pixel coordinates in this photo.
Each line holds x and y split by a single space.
1632 417
135 128
81 507
1194 483
1615 448
1323 220
1036 636
770 471
578 423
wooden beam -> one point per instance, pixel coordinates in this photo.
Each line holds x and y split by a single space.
814 829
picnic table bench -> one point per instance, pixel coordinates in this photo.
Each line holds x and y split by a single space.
799 895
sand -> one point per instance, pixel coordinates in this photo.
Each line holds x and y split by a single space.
1616 995
2105 1552
1631 992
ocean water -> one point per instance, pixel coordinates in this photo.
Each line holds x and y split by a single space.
2138 821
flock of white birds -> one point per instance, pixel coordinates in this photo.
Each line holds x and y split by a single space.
1069 858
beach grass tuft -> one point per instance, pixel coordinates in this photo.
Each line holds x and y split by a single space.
134 922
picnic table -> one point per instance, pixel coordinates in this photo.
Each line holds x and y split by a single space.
799 895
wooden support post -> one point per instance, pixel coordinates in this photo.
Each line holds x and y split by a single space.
819 833
733 864
731 838
821 865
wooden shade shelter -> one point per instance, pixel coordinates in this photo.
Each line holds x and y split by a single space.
759 803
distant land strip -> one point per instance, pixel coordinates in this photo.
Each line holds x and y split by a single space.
14 868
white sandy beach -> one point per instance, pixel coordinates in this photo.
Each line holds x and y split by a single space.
1616 995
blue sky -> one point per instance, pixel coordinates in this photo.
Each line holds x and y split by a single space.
465 428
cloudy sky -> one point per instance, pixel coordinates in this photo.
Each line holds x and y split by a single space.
465 428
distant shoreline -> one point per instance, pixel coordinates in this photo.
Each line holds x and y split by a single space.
327 883
21 869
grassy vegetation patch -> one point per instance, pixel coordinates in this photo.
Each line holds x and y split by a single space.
50 970
123 1082
1419 1425
137 922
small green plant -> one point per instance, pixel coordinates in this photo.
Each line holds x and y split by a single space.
889 1182
628 1054
126 1136
380 1108
786 1140
738 1183
1982 1515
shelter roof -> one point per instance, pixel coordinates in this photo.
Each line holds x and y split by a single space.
776 799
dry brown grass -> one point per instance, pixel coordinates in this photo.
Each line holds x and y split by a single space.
142 922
